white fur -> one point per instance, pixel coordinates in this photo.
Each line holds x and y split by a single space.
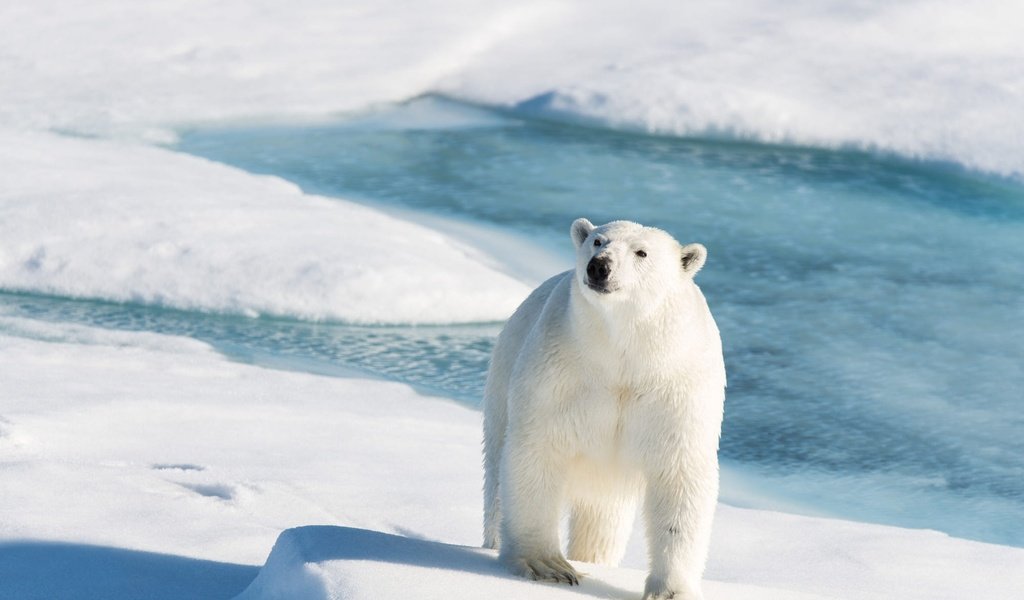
596 400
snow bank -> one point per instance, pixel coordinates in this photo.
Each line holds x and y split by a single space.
167 447
130 223
117 67
809 558
316 563
928 79
142 459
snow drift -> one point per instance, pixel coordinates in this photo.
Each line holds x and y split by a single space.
167 447
928 79
915 79
838 561
130 223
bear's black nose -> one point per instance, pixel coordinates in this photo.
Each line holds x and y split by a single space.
598 269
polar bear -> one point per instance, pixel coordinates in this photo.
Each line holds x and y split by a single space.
607 387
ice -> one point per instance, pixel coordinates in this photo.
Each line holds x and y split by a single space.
130 223
340 562
119 68
915 79
836 560
168 447
133 463
140 464
928 79
32 570
867 304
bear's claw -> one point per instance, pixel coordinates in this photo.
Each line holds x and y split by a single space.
553 568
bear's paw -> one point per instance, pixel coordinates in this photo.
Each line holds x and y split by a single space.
550 568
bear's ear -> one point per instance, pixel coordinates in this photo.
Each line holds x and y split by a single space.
581 228
693 257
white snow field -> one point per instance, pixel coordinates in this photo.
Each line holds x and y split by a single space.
137 465
919 79
833 560
929 78
127 222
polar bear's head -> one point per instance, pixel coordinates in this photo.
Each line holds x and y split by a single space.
623 260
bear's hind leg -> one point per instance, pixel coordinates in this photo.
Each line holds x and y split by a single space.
599 529
493 446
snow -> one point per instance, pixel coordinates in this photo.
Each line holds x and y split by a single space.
930 78
831 560
169 447
133 223
341 562
144 465
926 79
120 68
916 79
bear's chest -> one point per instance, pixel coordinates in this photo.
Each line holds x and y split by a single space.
601 416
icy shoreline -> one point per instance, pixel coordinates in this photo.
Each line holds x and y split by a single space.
134 462
144 443
929 80
121 71
123 222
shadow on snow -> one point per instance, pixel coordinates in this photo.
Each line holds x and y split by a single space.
30 570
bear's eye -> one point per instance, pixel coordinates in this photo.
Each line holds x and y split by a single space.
597 242
641 254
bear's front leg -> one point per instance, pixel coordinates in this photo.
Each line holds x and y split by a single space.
532 488
680 506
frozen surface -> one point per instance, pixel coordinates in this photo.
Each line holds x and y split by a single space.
137 463
928 79
167 446
131 223
133 460
833 560
339 562
869 306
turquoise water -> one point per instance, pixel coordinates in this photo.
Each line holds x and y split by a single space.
436 360
871 307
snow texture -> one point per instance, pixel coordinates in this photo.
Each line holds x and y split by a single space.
131 223
929 79
143 465
340 562
835 560
140 465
